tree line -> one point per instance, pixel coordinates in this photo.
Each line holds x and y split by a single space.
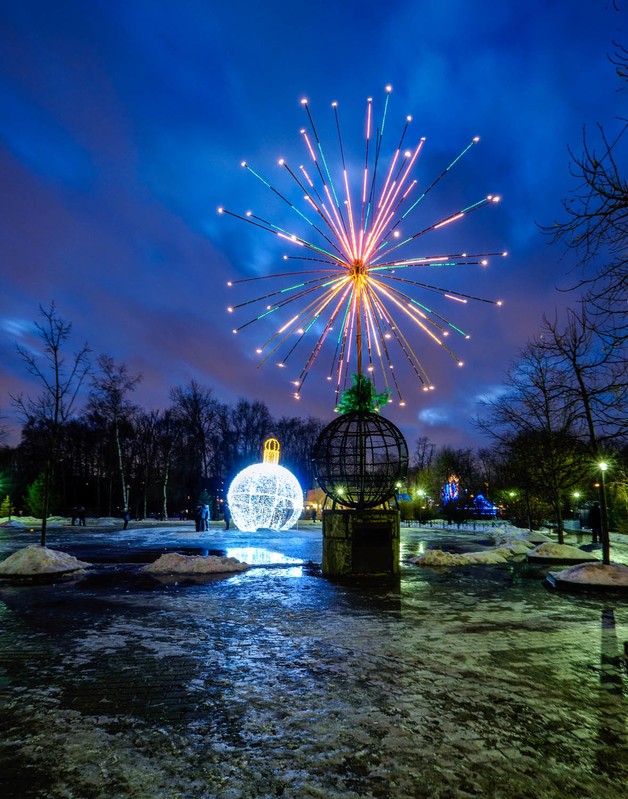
112 454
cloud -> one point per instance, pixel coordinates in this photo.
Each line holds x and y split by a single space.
435 416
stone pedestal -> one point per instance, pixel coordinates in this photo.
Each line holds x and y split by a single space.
360 542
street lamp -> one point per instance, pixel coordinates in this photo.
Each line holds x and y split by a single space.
606 554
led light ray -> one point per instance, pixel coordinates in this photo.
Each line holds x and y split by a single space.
437 180
327 329
278 305
382 315
409 311
378 226
395 330
308 322
293 324
436 289
321 212
434 226
263 297
411 356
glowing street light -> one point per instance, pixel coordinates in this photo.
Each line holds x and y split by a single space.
606 554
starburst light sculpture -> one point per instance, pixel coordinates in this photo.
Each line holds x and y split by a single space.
358 284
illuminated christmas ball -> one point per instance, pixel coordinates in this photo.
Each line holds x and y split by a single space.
265 495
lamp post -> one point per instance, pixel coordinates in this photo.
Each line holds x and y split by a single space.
606 553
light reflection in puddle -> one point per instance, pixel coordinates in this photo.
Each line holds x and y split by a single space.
293 571
258 556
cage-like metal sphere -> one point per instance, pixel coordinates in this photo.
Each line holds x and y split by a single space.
359 458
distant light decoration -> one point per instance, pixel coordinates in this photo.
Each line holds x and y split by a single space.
355 282
451 489
265 495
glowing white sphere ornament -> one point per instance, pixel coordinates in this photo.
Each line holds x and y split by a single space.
265 495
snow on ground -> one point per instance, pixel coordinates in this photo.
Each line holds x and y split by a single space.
613 574
56 521
560 552
521 540
35 559
509 545
173 563
436 557
514 547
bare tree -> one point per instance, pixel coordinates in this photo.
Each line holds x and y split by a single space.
297 438
169 433
248 424
593 378
199 414
596 223
61 380
109 405
537 421
423 453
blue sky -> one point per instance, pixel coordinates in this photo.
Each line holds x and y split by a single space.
124 125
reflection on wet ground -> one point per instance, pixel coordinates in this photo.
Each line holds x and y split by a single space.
258 556
468 682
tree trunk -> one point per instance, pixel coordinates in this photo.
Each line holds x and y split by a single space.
45 502
125 492
164 506
559 520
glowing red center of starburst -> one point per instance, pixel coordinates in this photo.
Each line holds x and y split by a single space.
358 267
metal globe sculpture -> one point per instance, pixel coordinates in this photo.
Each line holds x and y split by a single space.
359 458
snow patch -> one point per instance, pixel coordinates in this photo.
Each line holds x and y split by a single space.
174 563
36 559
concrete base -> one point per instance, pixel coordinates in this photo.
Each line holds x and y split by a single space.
360 542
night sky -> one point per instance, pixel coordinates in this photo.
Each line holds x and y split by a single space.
122 130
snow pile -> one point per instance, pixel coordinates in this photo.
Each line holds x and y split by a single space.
36 559
536 538
487 556
30 521
436 557
613 574
560 552
173 563
519 541
13 524
514 547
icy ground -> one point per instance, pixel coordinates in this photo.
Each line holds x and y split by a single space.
474 681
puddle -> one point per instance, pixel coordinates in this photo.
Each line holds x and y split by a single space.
258 556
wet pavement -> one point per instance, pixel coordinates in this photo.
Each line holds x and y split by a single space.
277 682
